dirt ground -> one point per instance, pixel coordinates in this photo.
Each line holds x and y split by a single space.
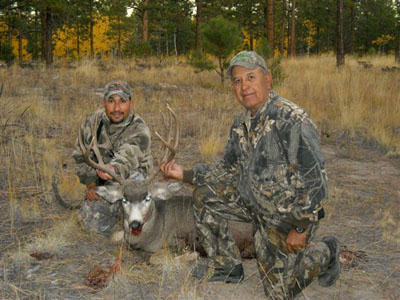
363 213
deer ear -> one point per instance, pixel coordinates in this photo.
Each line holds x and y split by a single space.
175 186
165 190
111 193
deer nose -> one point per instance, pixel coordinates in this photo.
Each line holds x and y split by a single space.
135 225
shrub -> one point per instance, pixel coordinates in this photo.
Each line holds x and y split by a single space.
6 53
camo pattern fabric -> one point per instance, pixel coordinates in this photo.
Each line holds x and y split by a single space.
125 146
283 274
275 163
99 216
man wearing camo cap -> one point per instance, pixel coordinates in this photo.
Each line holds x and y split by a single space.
272 175
124 143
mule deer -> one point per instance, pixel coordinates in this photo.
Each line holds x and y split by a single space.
153 215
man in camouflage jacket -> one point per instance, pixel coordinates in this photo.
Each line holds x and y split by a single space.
272 175
124 143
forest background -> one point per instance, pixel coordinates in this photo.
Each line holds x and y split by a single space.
49 30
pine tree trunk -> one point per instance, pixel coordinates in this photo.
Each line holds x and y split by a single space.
145 21
283 28
199 20
293 30
175 43
352 26
339 34
46 41
270 25
78 50
119 54
91 23
397 52
19 40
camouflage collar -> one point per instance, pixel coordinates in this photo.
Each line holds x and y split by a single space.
247 118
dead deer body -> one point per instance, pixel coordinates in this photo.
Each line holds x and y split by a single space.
153 214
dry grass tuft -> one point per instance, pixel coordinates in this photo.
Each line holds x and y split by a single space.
390 226
353 100
62 234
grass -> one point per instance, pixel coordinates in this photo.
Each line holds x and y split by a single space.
353 99
42 109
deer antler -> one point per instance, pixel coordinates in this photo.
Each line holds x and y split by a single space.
93 146
170 149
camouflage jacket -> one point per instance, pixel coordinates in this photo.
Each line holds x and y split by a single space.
125 146
275 162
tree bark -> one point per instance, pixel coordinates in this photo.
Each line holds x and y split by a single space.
270 25
293 30
19 39
175 43
397 51
199 20
339 34
78 50
119 43
91 24
145 21
46 39
352 26
283 28
397 56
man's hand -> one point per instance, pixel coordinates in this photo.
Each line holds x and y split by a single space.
296 241
91 194
172 170
104 175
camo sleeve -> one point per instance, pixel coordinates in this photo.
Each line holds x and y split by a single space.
306 173
85 173
225 171
133 152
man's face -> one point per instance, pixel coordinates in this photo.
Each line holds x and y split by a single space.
117 108
251 87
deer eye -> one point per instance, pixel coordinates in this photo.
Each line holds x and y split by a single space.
148 198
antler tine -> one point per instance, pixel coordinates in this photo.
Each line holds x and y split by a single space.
168 128
167 143
93 146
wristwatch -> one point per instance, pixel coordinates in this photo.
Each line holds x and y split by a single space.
299 229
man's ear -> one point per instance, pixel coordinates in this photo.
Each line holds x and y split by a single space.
269 78
111 193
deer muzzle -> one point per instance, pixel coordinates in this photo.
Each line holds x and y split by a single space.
135 227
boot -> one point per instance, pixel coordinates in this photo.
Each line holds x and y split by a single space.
227 274
332 273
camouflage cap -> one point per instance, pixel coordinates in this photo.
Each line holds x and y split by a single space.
119 87
249 60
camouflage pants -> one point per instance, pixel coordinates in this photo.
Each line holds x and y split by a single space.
99 216
283 274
